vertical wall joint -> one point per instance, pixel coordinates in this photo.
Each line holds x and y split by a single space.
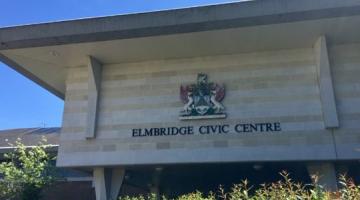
327 96
94 83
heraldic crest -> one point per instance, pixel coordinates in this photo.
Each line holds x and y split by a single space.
202 100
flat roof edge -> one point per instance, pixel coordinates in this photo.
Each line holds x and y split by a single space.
196 19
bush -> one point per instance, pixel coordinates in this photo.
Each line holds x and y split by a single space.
26 172
349 190
284 189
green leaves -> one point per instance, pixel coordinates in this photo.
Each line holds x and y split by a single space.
197 196
349 190
26 171
284 189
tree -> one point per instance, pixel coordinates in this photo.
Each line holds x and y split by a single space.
26 172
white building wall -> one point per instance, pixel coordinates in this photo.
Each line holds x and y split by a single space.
275 86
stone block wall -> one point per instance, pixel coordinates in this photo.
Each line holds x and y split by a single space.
274 86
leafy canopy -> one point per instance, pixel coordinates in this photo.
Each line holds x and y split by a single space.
26 171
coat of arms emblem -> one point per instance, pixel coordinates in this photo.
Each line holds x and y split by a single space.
202 100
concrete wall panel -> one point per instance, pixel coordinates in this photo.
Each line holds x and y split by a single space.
279 86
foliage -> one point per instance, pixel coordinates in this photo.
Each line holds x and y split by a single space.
197 195
26 172
141 197
349 190
284 189
192 196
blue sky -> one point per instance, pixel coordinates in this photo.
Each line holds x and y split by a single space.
24 104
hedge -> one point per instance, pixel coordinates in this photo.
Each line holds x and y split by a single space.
284 189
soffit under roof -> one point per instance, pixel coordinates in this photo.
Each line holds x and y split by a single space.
47 64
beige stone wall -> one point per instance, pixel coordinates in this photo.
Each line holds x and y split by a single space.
345 62
278 86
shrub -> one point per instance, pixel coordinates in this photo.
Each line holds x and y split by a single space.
349 190
284 189
197 196
27 172
141 197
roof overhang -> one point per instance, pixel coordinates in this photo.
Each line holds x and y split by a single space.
43 52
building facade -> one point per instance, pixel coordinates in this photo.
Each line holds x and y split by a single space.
158 97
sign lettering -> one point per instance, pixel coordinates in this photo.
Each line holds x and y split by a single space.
208 129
